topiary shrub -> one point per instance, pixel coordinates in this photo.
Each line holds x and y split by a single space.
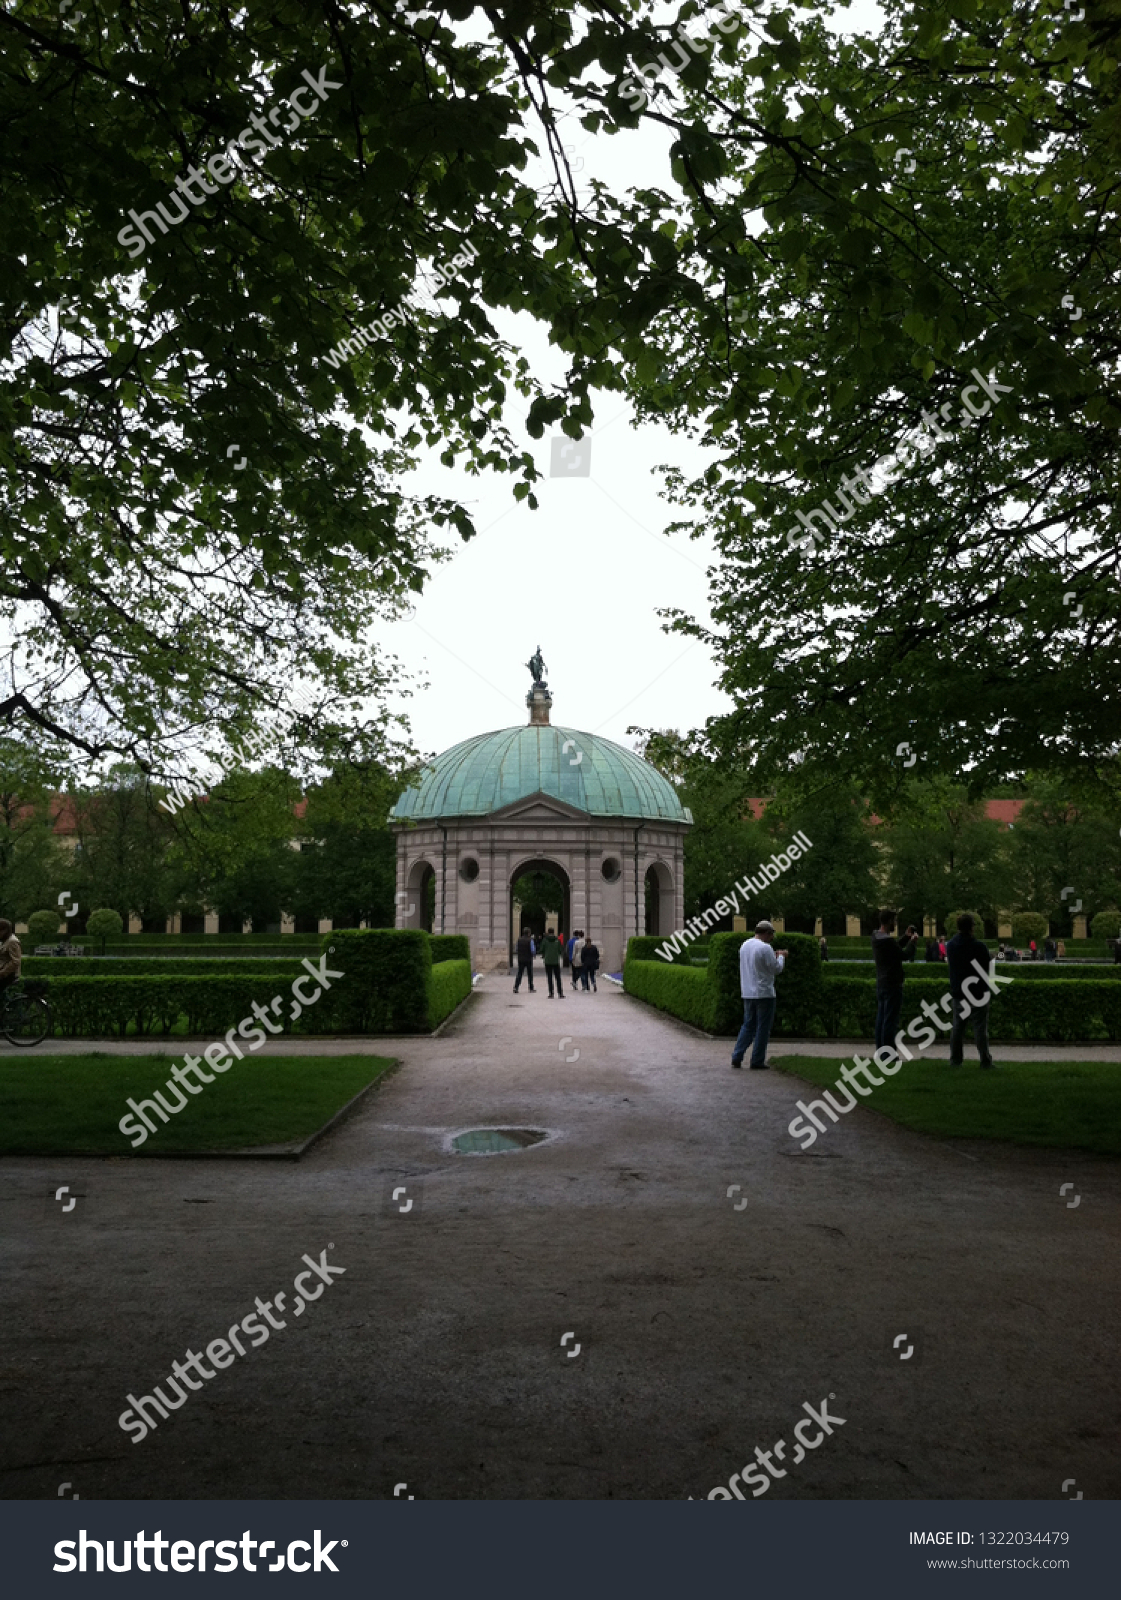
1029 925
1106 925
951 923
104 924
798 987
42 927
387 983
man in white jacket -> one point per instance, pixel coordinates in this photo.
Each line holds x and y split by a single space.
759 966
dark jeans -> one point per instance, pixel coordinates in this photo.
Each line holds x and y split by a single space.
889 1004
527 968
551 973
978 1021
585 974
758 1019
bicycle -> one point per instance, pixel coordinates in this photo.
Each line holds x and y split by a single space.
25 1019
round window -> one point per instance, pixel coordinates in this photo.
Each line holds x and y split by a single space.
469 869
611 870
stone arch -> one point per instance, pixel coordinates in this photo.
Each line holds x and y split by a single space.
412 908
537 863
660 898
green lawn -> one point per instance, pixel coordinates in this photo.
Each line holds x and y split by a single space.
1069 1104
71 1105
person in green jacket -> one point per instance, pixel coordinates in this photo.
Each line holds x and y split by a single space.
551 956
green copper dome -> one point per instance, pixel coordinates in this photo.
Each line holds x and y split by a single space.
494 770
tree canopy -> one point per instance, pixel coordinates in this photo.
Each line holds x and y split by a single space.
202 442
884 229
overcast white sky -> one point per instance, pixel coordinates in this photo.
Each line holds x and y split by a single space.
584 575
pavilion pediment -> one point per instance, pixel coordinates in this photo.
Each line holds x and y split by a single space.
538 809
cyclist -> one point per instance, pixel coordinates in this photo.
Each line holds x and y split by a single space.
11 956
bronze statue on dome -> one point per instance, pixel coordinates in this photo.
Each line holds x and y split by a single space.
536 665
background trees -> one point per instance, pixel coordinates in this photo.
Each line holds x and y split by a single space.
29 853
936 851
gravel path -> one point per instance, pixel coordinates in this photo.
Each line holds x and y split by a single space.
704 1320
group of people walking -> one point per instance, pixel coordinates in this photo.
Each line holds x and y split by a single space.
582 953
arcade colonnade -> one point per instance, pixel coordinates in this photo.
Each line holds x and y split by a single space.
605 861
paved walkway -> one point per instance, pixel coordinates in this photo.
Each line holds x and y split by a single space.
704 1320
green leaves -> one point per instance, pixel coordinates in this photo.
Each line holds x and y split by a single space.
881 285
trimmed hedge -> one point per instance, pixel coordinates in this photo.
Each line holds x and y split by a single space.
166 947
798 987
388 972
389 985
449 947
682 991
645 947
710 996
1066 1010
449 984
1059 970
160 966
113 1007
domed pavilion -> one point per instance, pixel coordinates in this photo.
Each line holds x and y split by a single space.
597 817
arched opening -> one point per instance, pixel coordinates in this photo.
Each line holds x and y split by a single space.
417 905
659 899
540 897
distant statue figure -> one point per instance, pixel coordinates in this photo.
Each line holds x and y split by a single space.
536 665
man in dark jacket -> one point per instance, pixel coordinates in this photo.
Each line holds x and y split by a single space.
589 964
967 958
524 952
888 953
551 951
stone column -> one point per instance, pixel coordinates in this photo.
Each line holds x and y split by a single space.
819 928
287 923
136 925
852 927
209 922
1078 923
326 925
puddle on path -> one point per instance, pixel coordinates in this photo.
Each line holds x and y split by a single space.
494 1141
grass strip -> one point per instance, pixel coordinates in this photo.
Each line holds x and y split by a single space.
72 1104
1072 1105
